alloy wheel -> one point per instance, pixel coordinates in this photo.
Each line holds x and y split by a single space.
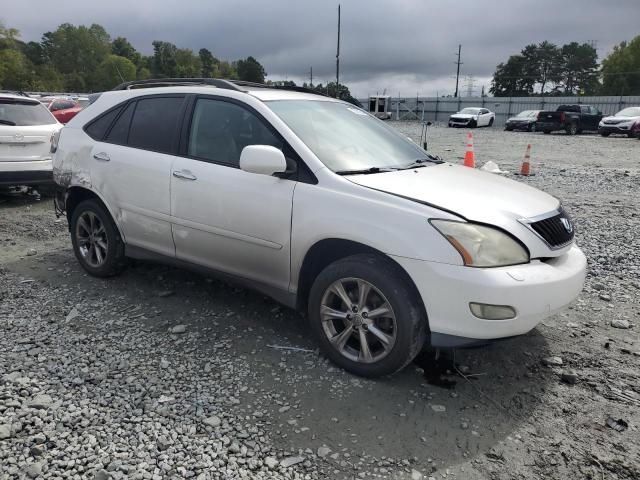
91 238
358 320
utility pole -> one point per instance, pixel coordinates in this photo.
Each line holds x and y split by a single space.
458 71
311 77
338 56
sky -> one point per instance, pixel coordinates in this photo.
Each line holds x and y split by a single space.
401 47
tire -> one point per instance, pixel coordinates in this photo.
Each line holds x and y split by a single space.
531 127
508 129
605 134
630 135
450 125
546 132
572 129
102 255
404 324
491 122
473 124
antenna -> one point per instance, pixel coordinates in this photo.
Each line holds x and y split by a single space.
338 56
458 70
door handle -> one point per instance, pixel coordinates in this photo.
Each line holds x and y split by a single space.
184 174
102 156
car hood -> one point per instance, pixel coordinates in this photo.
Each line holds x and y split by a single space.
621 119
464 115
473 194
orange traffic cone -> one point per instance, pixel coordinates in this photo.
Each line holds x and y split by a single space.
469 155
526 165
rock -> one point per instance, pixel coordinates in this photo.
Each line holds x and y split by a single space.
31 252
164 364
284 409
569 377
166 293
36 450
291 461
34 470
163 443
178 329
323 451
416 475
271 462
213 421
605 296
464 426
74 313
41 402
623 324
5 431
438 408
102 475
552 361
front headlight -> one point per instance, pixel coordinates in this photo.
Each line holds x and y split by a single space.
480 245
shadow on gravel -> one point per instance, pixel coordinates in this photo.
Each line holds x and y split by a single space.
481 396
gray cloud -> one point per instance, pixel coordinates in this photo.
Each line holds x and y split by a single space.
405 45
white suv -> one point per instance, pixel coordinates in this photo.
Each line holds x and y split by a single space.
26 131
321 206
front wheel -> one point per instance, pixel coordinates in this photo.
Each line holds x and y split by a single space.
96 240
366 316
572 129
605 134
491 122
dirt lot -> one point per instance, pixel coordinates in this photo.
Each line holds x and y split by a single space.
98 382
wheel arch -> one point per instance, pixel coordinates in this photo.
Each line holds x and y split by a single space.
329 250
76 194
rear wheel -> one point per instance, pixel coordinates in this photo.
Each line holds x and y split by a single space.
366 316
546 132
96 240
531 127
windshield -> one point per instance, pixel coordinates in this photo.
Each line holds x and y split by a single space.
346 138
629 112
527 114
470 111
24 113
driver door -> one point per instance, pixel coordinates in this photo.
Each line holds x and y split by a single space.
223 217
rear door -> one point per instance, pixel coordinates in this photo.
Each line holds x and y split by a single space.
225 218
131 168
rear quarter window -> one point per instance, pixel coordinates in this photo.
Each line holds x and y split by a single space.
98 127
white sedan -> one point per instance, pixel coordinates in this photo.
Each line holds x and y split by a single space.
472 117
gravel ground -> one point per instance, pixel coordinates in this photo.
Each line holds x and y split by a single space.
161 373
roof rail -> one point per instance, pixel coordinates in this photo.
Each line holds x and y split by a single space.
214 82
173 82
15 92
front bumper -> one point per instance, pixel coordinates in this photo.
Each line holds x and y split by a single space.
535 290
461 122
519 125
621 129
38 172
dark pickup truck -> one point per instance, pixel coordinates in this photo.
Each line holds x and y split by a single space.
570 118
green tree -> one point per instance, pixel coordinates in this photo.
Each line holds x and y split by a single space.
621 69
122 48
15 70
164 59
209 63
579 68
8 37
188 65
250 70
227 70
512 78
114 70
76 52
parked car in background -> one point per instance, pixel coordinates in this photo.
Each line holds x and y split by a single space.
572 119
64 109
523 121
26 131
83 101
472 117
625 122
320 205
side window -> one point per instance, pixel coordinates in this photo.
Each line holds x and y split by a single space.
584 109
220 130
100 125
155 123
120 130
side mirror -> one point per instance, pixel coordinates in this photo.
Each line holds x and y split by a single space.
262 159
429 124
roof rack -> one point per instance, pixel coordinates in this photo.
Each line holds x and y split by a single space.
214 82
174 82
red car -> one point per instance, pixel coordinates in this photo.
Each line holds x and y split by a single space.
61 108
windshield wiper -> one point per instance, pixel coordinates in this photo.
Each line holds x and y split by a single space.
420 162
365 171
7 122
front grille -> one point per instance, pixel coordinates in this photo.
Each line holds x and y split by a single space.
557 231
612 122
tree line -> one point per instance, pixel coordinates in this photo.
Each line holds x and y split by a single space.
570 69
86 59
